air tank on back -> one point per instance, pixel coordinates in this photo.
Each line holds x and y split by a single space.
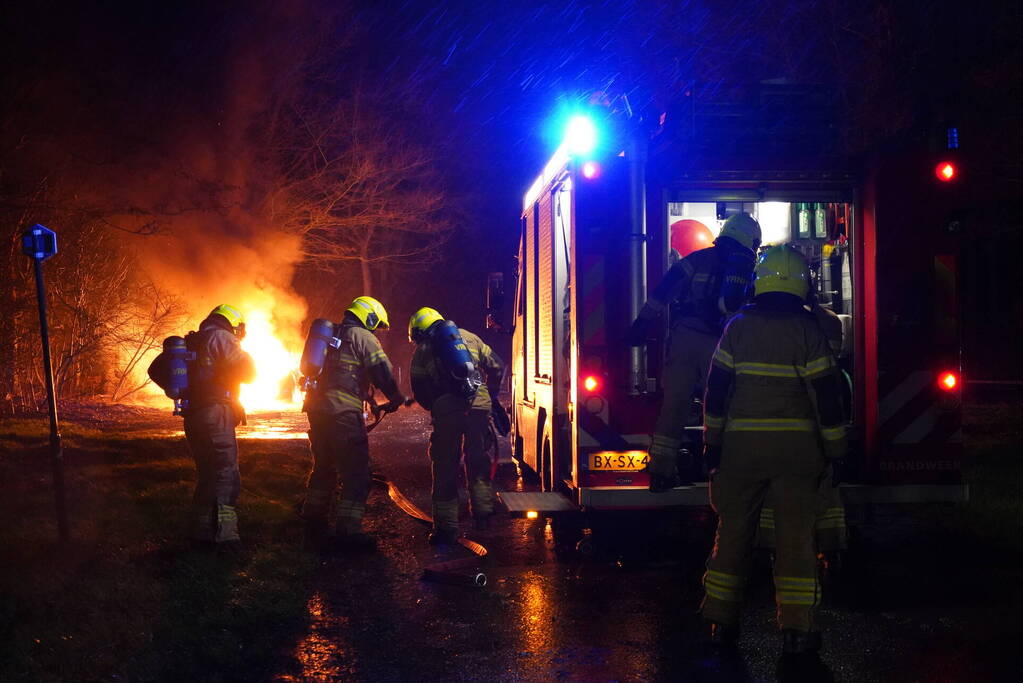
176 378
455 357
314 354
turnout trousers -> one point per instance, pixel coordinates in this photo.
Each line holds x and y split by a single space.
829 525
685 369
209 431
455 432
792 465
340 450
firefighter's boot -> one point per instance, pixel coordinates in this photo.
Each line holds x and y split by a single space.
201 528
227 525
663 465
800 659
315 534
481 499
445 522
720 637
348 532
316 506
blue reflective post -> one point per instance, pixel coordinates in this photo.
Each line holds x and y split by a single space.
40 243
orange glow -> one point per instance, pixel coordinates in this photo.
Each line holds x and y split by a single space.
532 514
591 383
946 171
274 363
948 381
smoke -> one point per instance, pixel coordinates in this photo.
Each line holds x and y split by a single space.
196 196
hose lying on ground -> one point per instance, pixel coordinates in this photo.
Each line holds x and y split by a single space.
450 571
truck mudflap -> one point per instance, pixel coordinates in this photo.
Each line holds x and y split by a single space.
639 497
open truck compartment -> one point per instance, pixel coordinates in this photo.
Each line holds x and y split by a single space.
599 232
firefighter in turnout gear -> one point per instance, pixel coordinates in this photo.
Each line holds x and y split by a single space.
212 413
830 525
460 412
701 291
337 425
773 419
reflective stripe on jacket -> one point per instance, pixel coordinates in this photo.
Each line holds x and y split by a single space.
773 371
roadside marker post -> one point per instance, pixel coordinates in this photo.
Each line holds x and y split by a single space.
40 243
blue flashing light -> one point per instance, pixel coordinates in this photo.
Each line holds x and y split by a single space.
952 138
580 136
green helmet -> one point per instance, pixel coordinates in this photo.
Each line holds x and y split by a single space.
744 229
782 269
233 317
421 321
370 312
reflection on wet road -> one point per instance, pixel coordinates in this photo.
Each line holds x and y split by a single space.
627 612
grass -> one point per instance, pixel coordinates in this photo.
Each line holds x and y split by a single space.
128 600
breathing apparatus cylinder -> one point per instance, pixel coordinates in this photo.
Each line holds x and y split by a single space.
314 355
177 367
455 358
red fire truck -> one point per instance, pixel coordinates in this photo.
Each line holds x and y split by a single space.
597 229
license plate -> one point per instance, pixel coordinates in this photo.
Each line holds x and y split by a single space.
619 461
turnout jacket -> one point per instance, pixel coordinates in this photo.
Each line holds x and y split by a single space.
220 365
430 386
350 372
704 288
773 371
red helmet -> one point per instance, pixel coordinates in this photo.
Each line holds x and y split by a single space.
688 235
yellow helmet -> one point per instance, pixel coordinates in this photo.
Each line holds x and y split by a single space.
370 312
782 269
743 228
231 314
421 321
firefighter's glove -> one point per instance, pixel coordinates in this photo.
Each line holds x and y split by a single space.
394 404
712 458
636 334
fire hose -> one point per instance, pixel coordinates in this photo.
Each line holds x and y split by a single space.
463 571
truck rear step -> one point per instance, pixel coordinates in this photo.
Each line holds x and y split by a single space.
521 502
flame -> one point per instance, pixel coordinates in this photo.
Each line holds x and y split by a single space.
276 365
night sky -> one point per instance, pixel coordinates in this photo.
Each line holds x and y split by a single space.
121 98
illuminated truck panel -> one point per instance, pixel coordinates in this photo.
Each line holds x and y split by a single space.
582 422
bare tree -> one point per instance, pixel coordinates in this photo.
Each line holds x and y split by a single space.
359 188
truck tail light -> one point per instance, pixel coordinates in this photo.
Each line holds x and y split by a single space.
946 171
948 381
591 169
591 383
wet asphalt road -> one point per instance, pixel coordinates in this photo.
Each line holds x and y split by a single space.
912 603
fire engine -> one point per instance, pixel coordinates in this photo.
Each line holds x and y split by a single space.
598 227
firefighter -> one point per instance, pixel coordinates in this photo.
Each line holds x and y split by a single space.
701 290
337 425
460 412
773 419
830 525
212 413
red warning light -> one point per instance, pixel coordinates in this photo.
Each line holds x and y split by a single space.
591 383
946 171
948 381
591 169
